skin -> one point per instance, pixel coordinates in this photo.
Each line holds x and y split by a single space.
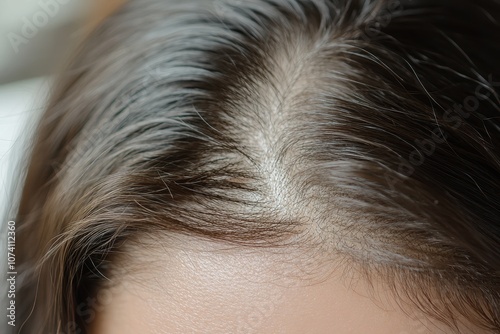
208 288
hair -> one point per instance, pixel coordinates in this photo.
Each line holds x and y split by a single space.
367 129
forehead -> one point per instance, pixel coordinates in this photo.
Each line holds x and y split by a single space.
200 287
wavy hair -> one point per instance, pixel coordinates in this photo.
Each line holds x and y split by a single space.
369 129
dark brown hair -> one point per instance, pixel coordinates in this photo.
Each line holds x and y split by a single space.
371 128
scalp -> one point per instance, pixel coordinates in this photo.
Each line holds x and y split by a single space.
256 123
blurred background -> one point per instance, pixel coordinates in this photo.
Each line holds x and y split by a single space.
35 38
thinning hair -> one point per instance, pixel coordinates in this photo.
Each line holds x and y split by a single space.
370 129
